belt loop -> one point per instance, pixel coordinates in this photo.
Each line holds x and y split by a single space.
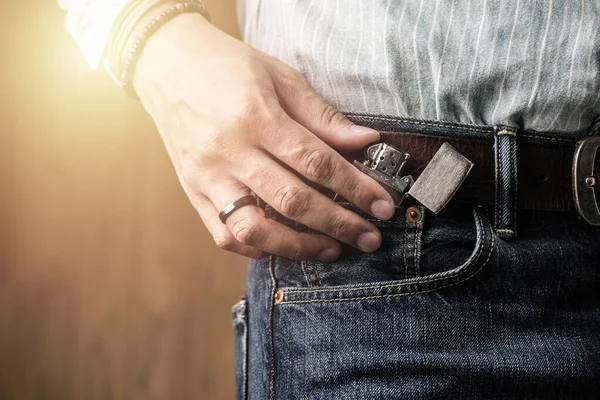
505 203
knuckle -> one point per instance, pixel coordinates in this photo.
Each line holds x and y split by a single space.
319 166
246 231
291 201
261 121
329 115
293 79
338 227
250 120
258 107
303 80
197 200
225 242
256 175
356 191
196 169
191 168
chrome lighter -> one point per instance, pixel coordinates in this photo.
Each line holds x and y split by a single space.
436 185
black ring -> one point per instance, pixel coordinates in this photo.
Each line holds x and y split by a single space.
239 203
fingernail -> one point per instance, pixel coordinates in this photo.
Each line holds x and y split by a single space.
328 255
383 209
364 131
368 242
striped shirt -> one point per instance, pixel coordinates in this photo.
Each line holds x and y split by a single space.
531 64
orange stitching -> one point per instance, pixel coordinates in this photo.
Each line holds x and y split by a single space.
415 252
317 274
305 270
398 294
483 241
505 231
507 132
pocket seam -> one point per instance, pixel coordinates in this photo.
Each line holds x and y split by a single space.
317 275
304 264
404 246
415 281
436 279
388 295
416 246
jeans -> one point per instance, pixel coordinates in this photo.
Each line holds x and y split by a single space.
447 308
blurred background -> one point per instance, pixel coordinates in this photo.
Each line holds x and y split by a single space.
110 287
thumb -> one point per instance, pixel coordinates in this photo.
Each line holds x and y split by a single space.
325 121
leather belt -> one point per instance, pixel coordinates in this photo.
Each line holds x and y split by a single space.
545 173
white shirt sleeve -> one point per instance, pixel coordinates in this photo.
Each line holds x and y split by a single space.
90 23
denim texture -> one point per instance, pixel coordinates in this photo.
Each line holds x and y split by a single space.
505 156
446 309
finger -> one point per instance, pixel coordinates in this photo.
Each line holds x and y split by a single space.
294 199
249 226
305 106
221 234
316 161
208 213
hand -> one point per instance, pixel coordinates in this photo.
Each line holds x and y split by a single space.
233 120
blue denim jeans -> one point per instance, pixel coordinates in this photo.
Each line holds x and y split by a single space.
447 308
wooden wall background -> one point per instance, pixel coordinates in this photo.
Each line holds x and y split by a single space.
110 287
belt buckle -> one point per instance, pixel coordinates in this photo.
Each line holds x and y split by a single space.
436 185
585 179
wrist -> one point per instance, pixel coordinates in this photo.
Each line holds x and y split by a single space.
169 53
136 25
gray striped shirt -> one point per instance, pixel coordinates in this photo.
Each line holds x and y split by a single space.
526 63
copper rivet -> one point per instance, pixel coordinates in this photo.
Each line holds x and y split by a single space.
278 296
413 214
591 181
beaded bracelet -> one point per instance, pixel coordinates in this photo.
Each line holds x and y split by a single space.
128 67
124 27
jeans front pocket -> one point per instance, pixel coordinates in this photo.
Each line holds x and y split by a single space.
453 249
240 331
